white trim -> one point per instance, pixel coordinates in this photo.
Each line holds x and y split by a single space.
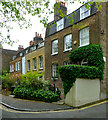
54 53
67 50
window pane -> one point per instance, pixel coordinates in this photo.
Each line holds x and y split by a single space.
84 12
68 42
28 65
55 70
84 36
55 46
41 62
60 24
34 63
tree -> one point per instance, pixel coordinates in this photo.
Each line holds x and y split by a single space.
16 12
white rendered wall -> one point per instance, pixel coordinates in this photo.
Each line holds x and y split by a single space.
84 91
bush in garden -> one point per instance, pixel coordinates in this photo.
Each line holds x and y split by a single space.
94 56
32 79
8 81
31 93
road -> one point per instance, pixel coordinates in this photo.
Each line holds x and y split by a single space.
98 110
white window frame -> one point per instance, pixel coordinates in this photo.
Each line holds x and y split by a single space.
28 65
54 47
12 67
66 39
60 24
84 36
34 64
84 12
40 62
84 62
18 65
55 70
67 63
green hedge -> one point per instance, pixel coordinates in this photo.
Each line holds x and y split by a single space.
24 92
94 56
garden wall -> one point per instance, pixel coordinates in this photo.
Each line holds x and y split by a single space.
84 91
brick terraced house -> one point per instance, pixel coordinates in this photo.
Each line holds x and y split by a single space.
31 58
62 38
5 57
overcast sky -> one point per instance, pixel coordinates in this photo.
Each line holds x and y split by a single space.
26 35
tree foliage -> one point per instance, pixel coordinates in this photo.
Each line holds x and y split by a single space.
17 12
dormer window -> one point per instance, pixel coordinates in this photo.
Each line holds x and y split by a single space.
60 24
84 12
26 51
14 57
31 49
21 54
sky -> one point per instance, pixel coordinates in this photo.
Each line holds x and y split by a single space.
24 36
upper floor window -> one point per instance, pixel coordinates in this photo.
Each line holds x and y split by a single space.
68 42
84 36
55 70
26 51
14 57
84 12
40 62
21 54
34 63
18 65
28 63
60 24
55 47
12 67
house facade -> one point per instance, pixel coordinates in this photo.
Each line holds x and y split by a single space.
5 57
16 63
91 26
31 58
35 60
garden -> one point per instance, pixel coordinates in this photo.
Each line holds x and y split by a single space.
30 86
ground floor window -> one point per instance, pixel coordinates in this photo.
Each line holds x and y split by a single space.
40 62
28 62
55 70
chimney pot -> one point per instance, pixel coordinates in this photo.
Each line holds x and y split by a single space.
40 35
31 43
36 34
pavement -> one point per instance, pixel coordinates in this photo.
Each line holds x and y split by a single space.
31 105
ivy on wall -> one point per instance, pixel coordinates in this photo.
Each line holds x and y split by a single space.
94 56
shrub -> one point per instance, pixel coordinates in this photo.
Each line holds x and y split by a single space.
31 79
94 56
31 93
7 81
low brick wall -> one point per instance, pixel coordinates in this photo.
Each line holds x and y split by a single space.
84 91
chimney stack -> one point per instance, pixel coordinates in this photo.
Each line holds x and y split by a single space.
20 48
38 38
31 43
63 9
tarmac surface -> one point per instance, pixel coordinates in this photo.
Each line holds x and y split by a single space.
31 105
